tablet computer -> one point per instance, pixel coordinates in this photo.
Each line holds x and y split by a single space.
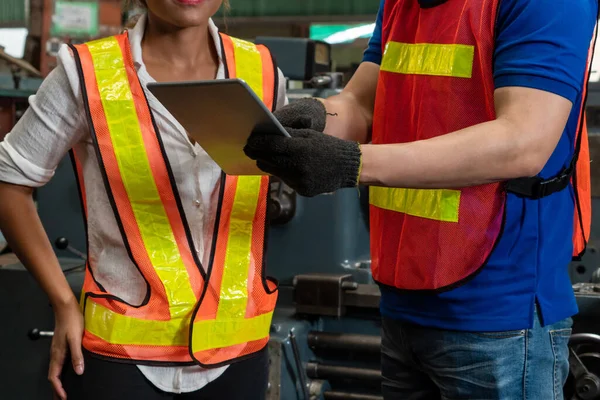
219 115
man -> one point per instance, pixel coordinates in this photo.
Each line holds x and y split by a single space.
465 100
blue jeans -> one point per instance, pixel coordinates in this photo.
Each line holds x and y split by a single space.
421 363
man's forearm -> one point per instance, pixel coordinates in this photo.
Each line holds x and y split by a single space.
489 152
518 143
346 120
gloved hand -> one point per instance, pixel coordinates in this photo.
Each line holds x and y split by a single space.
307 113
309 162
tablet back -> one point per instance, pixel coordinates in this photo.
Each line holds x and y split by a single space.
220 115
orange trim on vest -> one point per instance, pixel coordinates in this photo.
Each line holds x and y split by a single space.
582 179
269 90
260 299
163 328
229 55
583 193
268 78
269 71
157 301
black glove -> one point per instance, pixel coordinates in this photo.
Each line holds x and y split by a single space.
307 113
309 162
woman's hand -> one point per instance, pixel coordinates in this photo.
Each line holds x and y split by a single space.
20 223
68 333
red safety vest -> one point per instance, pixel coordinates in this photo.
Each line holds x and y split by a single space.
188 316
436 77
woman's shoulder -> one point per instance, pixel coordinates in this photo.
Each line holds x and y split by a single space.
64 76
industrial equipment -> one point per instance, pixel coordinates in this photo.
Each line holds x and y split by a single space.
14 90
325 334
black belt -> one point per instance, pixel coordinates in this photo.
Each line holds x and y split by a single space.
537 188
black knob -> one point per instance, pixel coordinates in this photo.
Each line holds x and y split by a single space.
282 209
62 243
274 209
34 334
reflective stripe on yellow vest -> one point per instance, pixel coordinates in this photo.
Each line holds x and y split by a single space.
188 316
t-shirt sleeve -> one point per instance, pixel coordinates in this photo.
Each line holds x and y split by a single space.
373 52
544 44
53 123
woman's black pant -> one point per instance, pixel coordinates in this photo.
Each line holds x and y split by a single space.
108 380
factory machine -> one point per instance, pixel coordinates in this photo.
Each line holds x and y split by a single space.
325 335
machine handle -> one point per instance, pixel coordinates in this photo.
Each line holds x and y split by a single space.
36 334
282 204
584 338
301 371
587 384
62 243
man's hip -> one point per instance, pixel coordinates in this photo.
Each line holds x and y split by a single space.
426 363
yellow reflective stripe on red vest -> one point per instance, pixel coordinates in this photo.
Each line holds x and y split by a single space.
436 204
452 60
134 167
249 62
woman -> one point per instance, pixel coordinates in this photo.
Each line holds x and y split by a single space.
174 294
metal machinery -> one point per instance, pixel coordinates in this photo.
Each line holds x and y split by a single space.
14 90
584 381
325 333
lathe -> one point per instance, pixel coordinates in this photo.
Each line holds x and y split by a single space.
325 333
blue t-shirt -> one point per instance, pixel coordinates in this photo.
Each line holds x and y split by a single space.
543 45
